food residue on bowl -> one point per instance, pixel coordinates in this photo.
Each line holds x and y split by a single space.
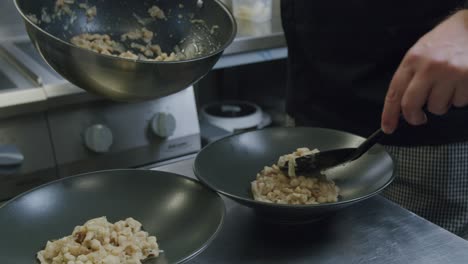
100 43
143 33
156 12
99 241
273 186
104 44
136 44
142 21
91 12
63 7
33 19
213 29
129 55
45 17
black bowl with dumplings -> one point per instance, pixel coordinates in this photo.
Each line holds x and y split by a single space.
228 166
184 215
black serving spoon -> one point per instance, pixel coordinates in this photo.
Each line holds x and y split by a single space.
323 160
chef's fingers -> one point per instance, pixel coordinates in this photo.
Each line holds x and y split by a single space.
415 97
392 105
440 98
460 96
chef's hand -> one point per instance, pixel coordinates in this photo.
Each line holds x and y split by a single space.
434 72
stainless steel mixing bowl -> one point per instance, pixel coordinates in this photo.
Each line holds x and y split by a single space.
124 79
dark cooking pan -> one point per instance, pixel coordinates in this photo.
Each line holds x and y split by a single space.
125 79
229 165
184 215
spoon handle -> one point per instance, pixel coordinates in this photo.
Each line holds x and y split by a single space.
372 140
367 144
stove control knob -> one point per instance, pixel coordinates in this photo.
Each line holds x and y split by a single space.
98 138
163 125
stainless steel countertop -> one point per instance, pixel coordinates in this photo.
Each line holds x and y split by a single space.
375 231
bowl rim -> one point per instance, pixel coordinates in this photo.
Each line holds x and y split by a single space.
221 49
193 254
252 201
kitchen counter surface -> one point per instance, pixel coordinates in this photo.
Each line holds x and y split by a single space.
253 36
375 231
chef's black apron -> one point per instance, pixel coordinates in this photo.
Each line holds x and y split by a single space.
342 56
